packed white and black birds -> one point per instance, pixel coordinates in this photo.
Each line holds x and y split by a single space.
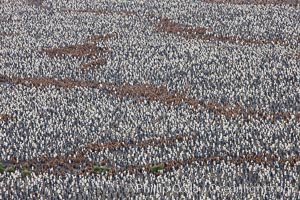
149 99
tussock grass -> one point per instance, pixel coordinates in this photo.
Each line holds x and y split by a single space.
97 169
2 169
25 173
156 168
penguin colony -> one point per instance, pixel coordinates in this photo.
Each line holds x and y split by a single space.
54 137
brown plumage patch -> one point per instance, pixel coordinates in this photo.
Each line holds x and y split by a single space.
207 34
256 2
4 117
156 93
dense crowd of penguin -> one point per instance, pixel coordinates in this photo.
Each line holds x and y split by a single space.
55 121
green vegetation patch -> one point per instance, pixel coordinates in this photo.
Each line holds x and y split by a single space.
10 169
156 168
25 173
97 169
2 169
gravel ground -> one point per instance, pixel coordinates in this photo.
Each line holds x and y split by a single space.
149 99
